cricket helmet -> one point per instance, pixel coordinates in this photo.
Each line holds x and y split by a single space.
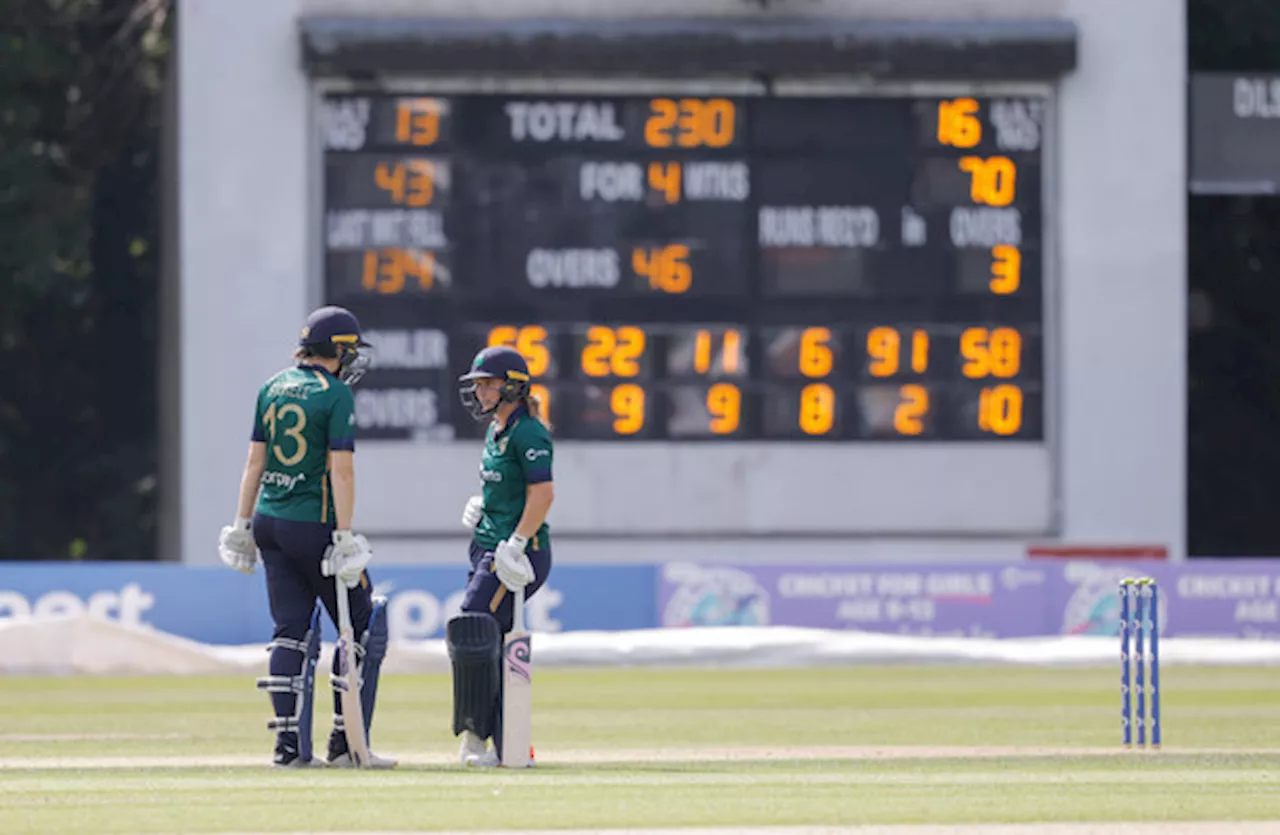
497 362
334 333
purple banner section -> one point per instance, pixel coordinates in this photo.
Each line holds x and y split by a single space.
1216 598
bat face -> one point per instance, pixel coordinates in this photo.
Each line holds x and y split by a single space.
352 711
517 700
347 682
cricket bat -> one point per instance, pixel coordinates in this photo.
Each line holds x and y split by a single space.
347 682
517 691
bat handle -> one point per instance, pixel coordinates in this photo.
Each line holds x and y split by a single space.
517 620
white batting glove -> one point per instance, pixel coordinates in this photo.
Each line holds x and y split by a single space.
236 547
472 512
346 558
510 563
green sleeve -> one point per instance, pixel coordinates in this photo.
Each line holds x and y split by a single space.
533 445
259 426
342 421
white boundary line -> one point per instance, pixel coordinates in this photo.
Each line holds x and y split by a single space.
1162 828
655 755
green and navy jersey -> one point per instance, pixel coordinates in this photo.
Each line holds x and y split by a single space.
303 412
514 457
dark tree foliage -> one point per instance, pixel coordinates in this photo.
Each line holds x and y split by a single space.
80 104
1233 478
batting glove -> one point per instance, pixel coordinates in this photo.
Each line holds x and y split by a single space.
346 558
510 563
236 547
472 512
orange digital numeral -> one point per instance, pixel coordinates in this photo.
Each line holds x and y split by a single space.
627 404
409 182
884 347
666 267
1006 269
689 123
816 357
730 352
529 340
544 397
1000 409
418 121
992 181
387 271
995 352
612 351
664 178
908 417
724 404
817 409
957 124
919 351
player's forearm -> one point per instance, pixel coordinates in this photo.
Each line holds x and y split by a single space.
251 480
249 483
536 504
344 497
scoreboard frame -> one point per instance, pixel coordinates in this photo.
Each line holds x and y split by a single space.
1038 482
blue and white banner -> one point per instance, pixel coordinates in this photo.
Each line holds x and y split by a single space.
999 599
218 606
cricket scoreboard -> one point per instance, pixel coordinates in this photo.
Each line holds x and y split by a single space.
798 282
695 268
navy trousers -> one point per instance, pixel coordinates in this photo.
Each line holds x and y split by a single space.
291 554
485 592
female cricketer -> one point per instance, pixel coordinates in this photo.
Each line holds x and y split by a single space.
510 548
297 497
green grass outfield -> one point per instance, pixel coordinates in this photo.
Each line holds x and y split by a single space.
654 748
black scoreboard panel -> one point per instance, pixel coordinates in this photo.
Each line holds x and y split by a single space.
696 268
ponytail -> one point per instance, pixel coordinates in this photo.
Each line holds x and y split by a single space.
534 404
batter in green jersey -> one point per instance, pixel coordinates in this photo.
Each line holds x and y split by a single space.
297 499
510 545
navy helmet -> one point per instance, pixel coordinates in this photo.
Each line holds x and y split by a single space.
497 362
334 333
